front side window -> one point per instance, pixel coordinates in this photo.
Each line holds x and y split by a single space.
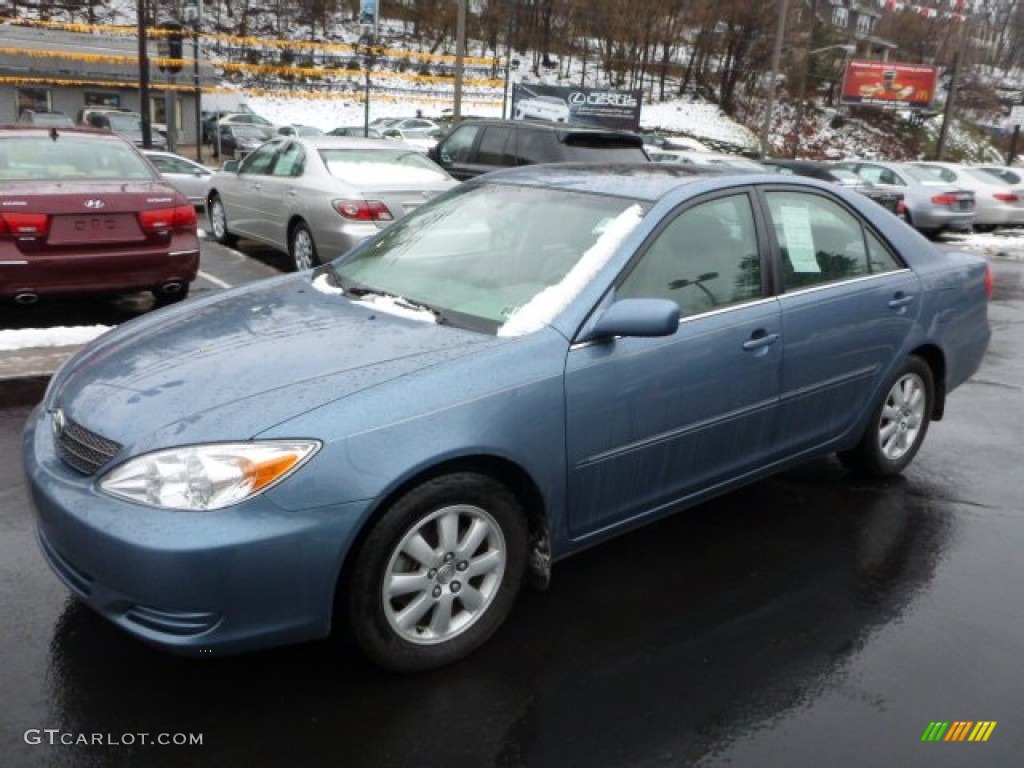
456 147
705 259
821 242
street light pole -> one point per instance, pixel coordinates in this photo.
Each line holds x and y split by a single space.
780 32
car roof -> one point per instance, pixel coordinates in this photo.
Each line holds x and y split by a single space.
326 141
563 129
647 182
28 129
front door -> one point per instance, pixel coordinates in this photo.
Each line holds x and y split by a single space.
653 421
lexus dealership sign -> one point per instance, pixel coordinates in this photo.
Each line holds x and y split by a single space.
598 107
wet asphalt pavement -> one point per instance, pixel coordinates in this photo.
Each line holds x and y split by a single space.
812 619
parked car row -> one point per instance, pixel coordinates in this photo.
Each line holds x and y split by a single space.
316 196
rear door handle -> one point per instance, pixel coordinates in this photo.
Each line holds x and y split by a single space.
900 300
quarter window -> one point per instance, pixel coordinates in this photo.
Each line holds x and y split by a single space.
705 259
821 242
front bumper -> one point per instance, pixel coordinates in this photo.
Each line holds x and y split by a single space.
247 577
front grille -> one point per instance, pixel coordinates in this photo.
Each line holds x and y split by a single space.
84 450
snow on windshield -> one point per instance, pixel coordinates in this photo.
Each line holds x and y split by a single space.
547 304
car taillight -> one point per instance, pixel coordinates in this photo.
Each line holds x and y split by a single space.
901 208
24 224
945 199
1006 197
989 282
161 219
363 210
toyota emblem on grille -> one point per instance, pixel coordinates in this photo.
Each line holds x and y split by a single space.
94 204
59 422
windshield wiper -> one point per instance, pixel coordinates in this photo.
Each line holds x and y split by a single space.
440 317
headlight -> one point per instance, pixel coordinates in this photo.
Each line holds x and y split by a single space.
200 477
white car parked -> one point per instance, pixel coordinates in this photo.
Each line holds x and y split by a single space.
543 108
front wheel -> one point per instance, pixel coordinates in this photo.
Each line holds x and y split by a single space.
898 424
438 573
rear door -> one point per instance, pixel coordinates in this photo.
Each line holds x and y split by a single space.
841 286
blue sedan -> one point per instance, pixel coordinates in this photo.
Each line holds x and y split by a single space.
391 444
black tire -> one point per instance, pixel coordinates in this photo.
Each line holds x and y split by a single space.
302 248
219 221
163 298
440 587
898 424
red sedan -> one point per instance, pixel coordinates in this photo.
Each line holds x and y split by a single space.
83 212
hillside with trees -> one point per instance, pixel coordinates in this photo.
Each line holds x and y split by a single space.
719 51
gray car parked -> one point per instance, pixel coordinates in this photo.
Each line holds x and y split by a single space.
933 206
316 197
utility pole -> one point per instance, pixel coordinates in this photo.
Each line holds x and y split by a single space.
147 129
954 77
460 60
802 87
780 32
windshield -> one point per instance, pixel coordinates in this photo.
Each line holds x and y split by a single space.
246 131
127 123
480 255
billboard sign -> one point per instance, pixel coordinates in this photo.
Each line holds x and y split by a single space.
599 107
886 83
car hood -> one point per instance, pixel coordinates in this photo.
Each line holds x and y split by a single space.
234 365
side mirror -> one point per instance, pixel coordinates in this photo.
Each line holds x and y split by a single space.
231 166
634 317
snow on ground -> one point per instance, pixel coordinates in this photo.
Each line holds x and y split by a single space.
60 336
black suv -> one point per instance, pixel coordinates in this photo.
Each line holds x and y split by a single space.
477 146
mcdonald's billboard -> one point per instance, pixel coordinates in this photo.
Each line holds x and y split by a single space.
886 83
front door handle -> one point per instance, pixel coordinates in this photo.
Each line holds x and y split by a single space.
760 339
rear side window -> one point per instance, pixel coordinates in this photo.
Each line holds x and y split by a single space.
494 147
596 148
821 242
536 147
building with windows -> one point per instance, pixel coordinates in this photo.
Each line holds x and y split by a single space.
44 69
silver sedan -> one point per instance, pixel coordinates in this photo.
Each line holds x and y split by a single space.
187 176
933 206
316 197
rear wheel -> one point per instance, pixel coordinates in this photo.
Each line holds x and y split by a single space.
303 248
438 573
219 222
898 424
